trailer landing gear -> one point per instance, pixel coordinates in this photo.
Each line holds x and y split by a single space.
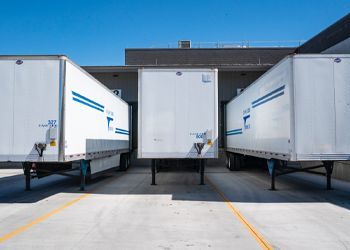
27 166
153 172
329 170
84 165
201 170
275 170
271 164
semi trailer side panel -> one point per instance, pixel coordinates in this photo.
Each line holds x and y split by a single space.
258 120
298 111
96 120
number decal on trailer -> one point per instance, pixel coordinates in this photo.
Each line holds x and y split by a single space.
199 135
49 124
52 123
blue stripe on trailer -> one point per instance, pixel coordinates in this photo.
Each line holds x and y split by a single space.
87 100
87 104
268 95
268 99
234 132
121 131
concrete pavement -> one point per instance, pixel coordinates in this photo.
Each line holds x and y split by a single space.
123 211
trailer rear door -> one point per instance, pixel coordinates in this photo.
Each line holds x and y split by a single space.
342 103
177 108
35 108
6 104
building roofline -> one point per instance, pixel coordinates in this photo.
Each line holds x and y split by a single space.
186 49
328 37
220 67
112 69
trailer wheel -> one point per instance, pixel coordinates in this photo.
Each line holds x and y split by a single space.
128 160
124 162
231 158
227 160
237 162
88 175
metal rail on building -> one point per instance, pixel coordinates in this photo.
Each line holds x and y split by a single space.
236 44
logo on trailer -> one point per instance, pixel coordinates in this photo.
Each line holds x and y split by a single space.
19 62
246 116
179 73
337 60
246 125
109 120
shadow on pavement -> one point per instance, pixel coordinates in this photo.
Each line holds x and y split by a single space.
250 185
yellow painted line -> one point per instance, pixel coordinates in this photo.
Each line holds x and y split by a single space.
257 236
50 214
41 219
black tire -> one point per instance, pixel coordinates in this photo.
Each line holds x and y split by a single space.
228 161
237 162
128 161
88 176
231 160
124 162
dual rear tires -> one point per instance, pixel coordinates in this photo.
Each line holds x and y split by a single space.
124 162
234 162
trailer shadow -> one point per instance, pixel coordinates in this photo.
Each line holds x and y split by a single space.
250 185
12 188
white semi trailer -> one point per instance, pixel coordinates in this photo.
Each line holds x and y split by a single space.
178 115
53 113
299 111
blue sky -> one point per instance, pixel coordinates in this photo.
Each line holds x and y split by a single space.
96 32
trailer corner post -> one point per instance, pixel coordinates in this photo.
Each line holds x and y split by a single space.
153 172
329 170
83 170
271 164
202 166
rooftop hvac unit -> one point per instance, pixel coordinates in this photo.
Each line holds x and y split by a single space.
184 44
